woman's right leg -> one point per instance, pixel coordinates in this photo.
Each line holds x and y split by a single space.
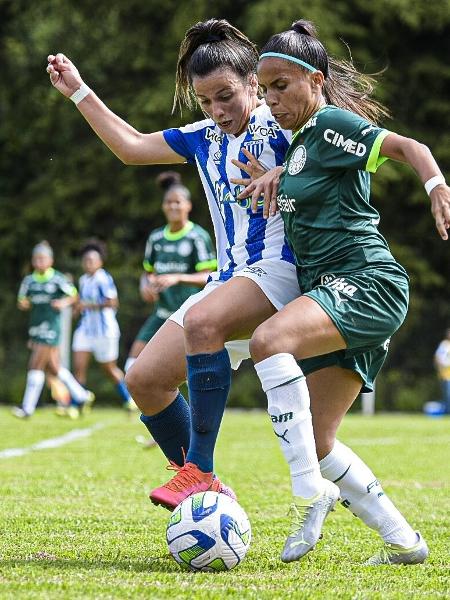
81 361
40 357
153 383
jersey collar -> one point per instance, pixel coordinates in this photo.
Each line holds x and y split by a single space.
301 130
173 236
45 276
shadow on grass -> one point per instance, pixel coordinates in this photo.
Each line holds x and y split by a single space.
159 564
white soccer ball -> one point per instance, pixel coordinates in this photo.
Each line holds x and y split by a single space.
208 532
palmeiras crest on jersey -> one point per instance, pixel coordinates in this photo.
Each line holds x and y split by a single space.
255 147
297 160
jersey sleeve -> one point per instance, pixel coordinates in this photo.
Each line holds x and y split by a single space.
185 140
149 258
23 289
108 287
347 141
66 287
204 255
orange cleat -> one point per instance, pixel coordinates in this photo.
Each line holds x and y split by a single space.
188 480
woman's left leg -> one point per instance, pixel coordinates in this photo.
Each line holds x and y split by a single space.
333 390
117 376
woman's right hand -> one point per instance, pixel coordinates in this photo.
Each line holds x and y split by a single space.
64 75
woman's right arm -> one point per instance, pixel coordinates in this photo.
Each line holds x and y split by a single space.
128 144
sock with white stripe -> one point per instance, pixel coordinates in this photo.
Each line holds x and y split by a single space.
363 495
289 409
33 389
77 391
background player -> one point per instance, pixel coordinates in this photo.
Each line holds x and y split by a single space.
98 331
45 292
178 259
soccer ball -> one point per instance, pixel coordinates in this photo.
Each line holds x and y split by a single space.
208 532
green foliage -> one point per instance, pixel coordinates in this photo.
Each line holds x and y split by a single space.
76 521
58 182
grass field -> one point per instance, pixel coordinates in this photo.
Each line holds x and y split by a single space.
75 520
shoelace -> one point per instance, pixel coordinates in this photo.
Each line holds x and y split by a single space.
185 476
298 516
385 554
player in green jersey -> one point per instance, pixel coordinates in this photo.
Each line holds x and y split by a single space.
178 259
45 292
355 294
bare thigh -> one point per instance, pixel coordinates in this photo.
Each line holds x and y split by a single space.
232 311
160 368
302 328
332 390
81 360
40 356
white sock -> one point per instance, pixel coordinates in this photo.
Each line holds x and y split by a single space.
129 363
33 389
77 391
288 407
362 494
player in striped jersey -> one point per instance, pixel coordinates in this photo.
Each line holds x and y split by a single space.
98 330
45 292
256 273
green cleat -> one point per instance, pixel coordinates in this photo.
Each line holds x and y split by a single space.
392 554
308 515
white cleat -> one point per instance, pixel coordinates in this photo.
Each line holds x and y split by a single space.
392 554
20 413
308 515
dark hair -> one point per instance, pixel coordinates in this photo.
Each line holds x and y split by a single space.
207 46
96 245
344 86
170 181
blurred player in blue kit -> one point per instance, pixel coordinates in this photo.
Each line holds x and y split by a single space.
98 331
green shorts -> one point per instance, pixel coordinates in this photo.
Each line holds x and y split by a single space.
46 333
367 307
150 327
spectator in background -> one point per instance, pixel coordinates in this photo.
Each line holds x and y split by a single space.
45 292
442 363
178 259
98 331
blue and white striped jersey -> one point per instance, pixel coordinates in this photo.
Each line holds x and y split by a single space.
97 288
242 238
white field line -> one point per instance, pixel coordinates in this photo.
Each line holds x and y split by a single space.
67 438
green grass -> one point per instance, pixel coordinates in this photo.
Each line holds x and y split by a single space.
75 521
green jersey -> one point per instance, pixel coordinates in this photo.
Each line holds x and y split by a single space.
186 251
41 289
324 194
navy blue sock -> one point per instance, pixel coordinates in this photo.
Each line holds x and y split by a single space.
123 391
209 378
171 429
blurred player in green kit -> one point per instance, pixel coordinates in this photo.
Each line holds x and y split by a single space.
45 292
178 259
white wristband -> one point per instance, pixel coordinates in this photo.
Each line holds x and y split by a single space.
433 182
81 93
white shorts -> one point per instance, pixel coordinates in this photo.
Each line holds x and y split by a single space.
104 348
277 280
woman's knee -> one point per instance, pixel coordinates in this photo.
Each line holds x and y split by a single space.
200 326
262 343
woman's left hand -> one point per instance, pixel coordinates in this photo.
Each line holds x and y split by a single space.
440 209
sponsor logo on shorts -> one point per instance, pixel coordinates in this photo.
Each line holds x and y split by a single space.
286 204
297 160
256 270
339 284
337 139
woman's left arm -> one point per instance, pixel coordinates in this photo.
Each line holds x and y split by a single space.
419 157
